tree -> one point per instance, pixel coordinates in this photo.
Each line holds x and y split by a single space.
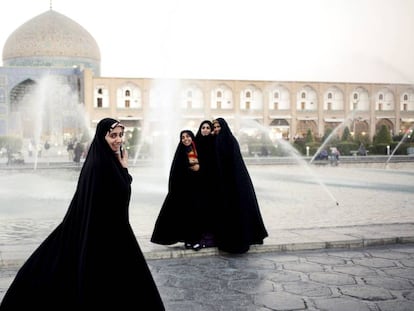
383 136
346 135
328 132
309 137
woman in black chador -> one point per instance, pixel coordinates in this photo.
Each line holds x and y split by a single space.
92 259
178 220
208 189
240 223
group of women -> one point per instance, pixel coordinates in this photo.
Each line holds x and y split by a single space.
211 201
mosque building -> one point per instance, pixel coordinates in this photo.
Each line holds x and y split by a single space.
41 83
51 76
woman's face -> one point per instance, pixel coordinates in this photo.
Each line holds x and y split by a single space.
114 138
186 139
217 128
205 129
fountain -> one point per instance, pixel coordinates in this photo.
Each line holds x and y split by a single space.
55 115
346 122
285 145
160 130
333 134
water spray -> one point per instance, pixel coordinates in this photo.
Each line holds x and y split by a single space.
294 152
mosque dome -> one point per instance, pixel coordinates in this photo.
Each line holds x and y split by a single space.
51 40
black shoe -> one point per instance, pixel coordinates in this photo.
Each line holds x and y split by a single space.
197 247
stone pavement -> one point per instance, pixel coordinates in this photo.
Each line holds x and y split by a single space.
349 268
373 278
360 279
317 256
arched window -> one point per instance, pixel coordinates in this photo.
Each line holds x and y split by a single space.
251 99
222 98
307 99
128 96
333 99
360 100
101 97
191 97
279 98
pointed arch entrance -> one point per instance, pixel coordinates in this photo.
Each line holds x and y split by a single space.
21 121
279 129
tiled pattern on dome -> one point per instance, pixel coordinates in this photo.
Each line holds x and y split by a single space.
51 34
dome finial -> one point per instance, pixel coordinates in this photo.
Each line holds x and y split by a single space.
50 5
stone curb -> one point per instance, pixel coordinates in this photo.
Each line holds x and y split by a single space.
282 247
296 239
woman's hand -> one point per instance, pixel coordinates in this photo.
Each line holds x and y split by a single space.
195 167
124 159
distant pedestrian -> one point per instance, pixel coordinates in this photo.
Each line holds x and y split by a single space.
335 156
30 149
70 149
9 152
361 150
78 151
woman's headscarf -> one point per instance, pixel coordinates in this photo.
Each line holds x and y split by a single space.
198 134
100 156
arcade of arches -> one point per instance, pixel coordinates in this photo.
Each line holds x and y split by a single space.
288 109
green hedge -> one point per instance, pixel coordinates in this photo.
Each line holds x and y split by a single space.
12 143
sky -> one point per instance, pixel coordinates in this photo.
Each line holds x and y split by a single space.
367 41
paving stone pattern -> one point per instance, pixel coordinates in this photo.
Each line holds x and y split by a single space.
361 279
